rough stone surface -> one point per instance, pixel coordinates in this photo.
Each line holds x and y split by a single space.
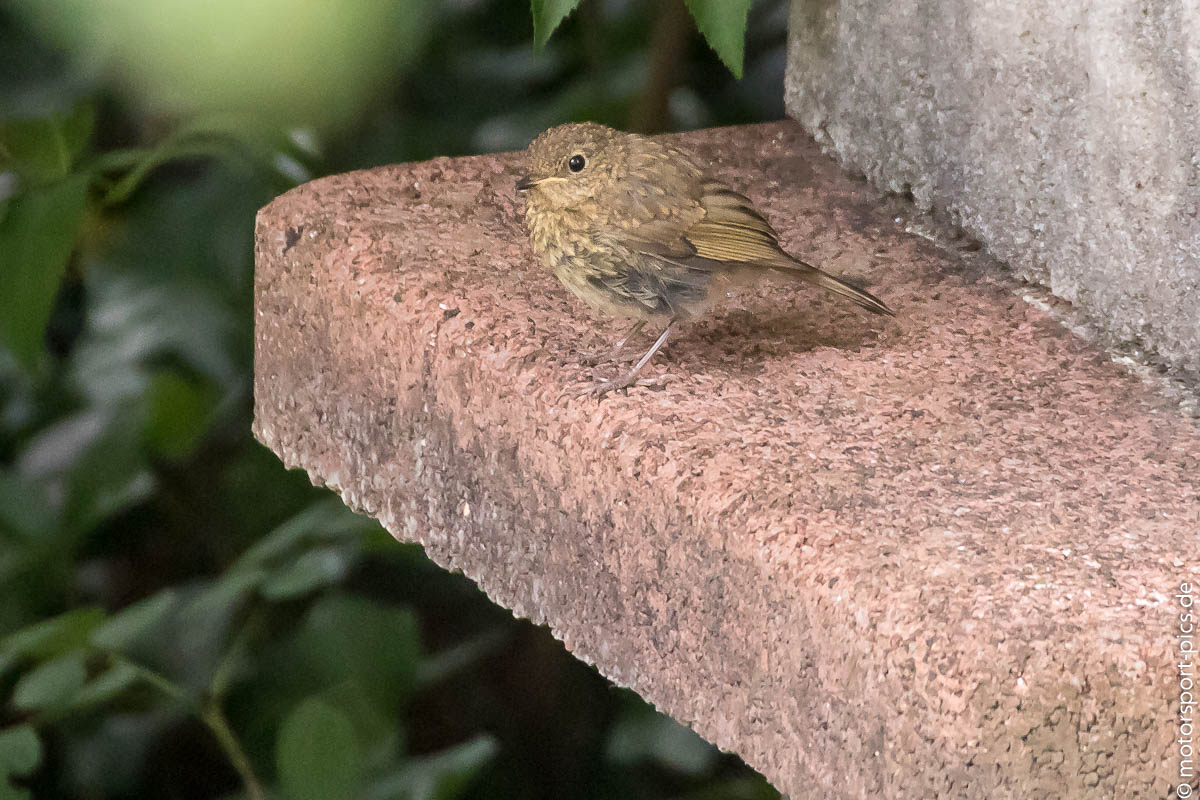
1062 135
926 557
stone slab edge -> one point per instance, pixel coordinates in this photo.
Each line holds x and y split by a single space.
408 357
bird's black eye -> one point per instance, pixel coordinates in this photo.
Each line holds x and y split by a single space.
576 163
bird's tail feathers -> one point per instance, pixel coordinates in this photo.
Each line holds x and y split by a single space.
807 272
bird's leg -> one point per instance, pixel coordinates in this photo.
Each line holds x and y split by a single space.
629 334
603 357
631 378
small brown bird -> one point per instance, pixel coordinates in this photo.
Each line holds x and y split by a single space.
635 228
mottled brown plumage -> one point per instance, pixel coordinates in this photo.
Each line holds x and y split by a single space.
636 228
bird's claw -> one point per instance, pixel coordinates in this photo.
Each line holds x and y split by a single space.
593 359
598 358
604 387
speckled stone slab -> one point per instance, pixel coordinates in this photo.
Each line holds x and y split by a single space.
934 556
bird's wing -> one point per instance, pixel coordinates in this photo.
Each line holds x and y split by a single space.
663 236
722 230
721 225
731 230
678 246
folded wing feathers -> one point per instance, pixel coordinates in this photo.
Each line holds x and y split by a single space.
731 230
726 231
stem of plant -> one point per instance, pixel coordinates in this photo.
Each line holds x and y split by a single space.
214 718
668 48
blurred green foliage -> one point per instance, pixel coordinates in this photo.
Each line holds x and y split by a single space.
280 60
179 615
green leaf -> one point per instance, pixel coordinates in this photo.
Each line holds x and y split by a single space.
723 23
318 756
53 684
326 519
312 570
441 776
202 628
108 685
44 149
455 660
37 236
129 183
23 507
20 752
130 624
180 634
109 473
352 639
222 136
51 637
644 734
221 598
547 14
137 320
180 410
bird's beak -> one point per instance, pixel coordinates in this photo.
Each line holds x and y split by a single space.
527 182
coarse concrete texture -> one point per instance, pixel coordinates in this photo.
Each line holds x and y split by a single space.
934 556
1063 135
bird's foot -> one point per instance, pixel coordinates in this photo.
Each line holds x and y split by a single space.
601 388
605 356
595 358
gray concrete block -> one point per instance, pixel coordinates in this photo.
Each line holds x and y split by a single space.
1063 135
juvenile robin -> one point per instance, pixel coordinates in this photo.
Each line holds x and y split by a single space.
636 228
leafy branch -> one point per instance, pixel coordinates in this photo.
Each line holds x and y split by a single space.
59 183
723 23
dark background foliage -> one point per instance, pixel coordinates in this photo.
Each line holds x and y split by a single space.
179 615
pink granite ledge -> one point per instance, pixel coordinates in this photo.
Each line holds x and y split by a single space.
928 557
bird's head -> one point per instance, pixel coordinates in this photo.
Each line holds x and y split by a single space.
572 164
